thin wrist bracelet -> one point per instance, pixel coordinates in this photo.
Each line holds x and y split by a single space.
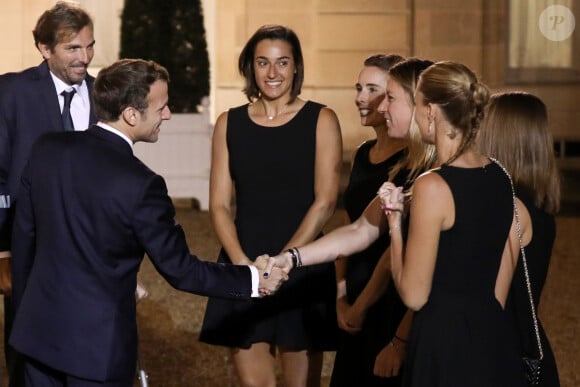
400 339
298 257
294 257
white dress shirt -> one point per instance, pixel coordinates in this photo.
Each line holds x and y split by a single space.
80 106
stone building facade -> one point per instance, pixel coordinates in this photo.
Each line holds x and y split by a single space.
337 35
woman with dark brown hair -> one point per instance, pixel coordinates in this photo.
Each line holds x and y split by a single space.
278 158
368 322
515 132
371 312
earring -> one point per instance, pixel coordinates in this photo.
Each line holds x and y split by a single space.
452 134
431 120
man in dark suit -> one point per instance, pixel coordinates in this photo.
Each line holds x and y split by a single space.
30 105
87 213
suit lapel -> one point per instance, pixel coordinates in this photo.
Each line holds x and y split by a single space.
92 117
47 97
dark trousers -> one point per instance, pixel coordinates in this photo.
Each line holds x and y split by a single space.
40 375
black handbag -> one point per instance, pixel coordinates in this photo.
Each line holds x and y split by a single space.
532 365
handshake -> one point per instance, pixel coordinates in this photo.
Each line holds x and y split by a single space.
274 270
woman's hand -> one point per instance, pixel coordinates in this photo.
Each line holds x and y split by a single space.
392 203
392 198
355 316
346 321
388 362
282 261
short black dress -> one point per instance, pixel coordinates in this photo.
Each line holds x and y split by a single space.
273 173
538 255
462 336
355 357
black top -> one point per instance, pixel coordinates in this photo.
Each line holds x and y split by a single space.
355 358
365 180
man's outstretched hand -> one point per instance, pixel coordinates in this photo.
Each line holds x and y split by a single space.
270 281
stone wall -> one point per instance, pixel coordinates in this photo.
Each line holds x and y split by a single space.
337 35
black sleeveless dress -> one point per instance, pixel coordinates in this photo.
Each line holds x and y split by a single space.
538 255
273 173
355 357
462 336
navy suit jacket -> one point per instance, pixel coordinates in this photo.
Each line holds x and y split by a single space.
88 211
28 108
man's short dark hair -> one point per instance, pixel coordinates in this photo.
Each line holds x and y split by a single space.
125 83
60 23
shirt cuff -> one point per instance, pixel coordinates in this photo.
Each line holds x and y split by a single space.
255 280
5 254
5 201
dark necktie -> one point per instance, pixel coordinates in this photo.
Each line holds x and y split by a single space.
67 121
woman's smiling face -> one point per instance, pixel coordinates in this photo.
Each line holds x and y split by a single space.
398 110
370 92
274 68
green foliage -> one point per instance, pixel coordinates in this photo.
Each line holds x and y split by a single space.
170 32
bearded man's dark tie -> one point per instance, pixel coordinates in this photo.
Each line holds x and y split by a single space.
67 121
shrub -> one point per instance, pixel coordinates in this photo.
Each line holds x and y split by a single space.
170 32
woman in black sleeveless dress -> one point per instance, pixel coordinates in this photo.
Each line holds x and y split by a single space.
459 256
372 315
279 157
510 117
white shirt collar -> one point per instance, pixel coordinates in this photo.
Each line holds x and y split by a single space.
61 86
116 131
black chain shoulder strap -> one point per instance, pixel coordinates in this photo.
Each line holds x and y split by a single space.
524 261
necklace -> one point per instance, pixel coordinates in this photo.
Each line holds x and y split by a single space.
271 117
